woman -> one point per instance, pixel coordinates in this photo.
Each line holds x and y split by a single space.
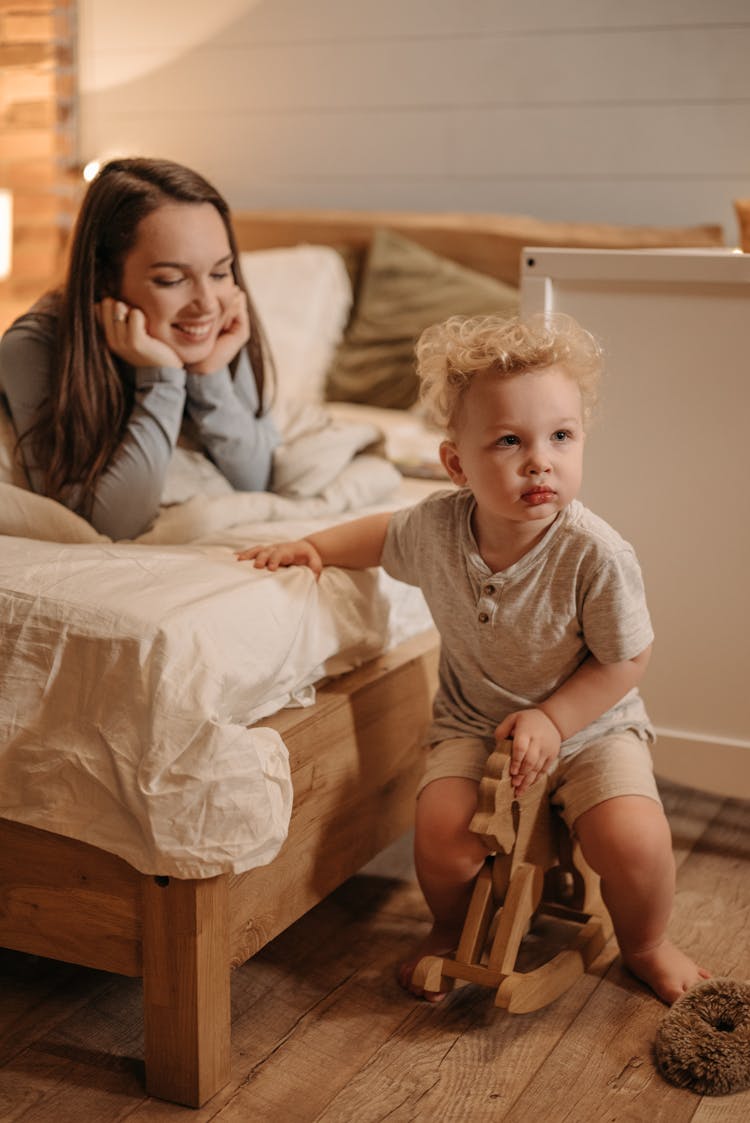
152 332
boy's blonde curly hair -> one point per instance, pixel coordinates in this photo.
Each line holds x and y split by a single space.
449 355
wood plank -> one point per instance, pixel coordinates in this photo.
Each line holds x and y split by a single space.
481 1072
336 691
463 1059
322 1032
599 68
186 994
343 977
489 243
365 747
722 1109
64 899
44 1086
609 1048
39 993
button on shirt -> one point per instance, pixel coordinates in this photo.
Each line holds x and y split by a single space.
510 639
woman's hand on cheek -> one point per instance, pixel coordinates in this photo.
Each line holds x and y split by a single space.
127 336
233 334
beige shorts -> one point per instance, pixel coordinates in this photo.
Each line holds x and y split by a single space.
618 764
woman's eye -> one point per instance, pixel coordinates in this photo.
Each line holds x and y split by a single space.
221 276
168 282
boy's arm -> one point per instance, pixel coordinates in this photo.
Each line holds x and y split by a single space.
538 733
352 545
592 690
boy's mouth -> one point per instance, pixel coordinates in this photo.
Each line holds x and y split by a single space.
536 495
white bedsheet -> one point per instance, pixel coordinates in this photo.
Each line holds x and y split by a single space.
129 672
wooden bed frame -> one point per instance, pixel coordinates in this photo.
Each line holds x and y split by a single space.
355 759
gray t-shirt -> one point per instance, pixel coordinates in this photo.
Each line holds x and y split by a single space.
510 639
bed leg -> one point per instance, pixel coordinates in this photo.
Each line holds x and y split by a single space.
186 1000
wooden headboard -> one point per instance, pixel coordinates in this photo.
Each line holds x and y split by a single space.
489 243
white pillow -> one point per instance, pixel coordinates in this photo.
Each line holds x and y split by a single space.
303 296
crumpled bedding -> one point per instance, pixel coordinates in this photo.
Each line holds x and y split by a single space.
321 471
130 671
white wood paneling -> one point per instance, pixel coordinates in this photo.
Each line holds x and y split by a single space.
665 460
591 109
173 22
633 67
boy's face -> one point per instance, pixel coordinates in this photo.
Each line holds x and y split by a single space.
518 445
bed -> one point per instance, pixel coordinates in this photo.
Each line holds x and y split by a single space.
334 726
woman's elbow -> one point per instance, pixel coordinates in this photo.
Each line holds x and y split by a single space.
123 522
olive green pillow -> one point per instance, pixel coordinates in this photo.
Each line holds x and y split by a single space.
404 289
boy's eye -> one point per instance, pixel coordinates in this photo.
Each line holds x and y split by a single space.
562 435
507 442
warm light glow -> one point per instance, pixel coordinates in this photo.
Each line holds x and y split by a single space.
6 232
91 169
174 30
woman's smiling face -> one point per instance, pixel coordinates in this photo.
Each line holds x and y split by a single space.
179 273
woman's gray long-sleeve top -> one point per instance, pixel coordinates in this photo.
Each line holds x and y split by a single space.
221 412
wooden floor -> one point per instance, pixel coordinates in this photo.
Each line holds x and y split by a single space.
322 1032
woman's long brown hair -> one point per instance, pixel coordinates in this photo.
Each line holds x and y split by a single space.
84 419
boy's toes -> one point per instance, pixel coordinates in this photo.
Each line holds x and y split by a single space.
406 979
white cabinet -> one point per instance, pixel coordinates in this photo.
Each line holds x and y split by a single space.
668 464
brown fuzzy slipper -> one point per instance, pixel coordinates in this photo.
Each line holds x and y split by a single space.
703 1042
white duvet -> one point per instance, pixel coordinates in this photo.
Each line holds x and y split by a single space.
130 671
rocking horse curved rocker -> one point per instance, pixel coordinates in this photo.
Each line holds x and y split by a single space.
534 870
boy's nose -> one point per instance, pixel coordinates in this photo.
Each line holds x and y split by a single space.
537 463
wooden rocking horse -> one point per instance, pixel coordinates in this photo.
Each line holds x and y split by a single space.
535 870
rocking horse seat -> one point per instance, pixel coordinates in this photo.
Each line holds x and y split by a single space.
534 870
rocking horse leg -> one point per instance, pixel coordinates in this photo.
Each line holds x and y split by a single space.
522 993
540 852
478 918
428 974
521 900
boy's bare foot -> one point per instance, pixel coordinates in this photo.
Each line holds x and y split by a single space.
438 942
666 969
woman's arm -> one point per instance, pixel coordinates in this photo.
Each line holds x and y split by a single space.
223 411
128 492
351 545
25 379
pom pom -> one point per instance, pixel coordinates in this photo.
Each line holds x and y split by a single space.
703 1042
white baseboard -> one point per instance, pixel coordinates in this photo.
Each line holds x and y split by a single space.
716 764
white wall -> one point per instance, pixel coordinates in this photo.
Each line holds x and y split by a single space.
665 464
567 109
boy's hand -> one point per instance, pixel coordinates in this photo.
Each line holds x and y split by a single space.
127 336
284 553
536 744
233 334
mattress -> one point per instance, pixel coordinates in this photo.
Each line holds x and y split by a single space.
135 676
